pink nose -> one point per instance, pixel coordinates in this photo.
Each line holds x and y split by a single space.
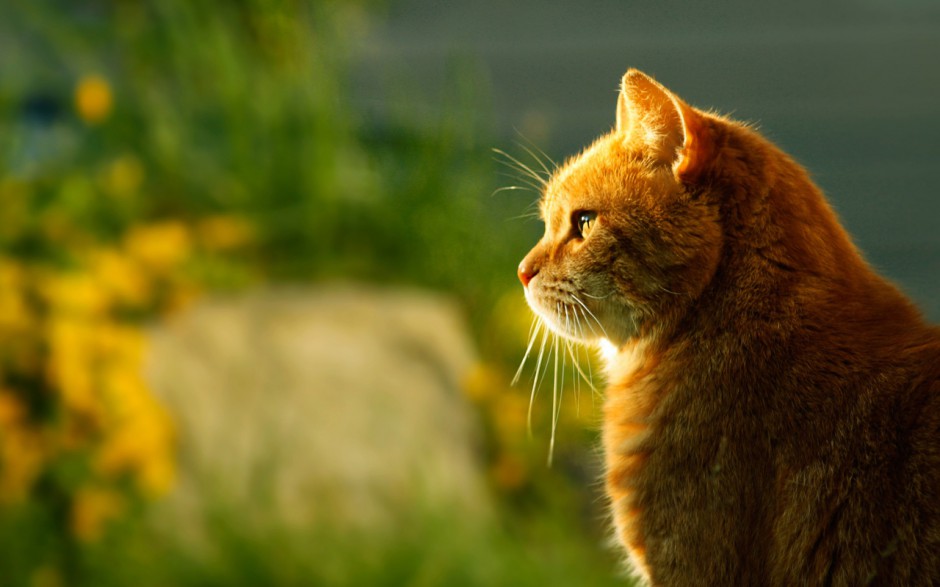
526 272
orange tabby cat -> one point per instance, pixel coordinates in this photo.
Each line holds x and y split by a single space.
773 410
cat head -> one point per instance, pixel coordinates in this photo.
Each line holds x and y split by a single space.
629 243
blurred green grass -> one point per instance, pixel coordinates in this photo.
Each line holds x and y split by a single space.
118 115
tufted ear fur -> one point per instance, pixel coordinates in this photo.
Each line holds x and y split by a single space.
656 119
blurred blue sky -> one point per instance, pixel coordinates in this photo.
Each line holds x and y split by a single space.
850 88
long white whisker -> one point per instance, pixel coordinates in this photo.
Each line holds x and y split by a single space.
574 359
534 186
589 377
533 333
589 312
574 362
531 211
528 216
590 371
546 155
555 408
590 364
564 358
591 359
522 166
567 321
536 379
510 188
598 297
589 381
537 159
536 147
577 380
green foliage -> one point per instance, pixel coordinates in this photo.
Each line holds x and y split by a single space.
230 122
427 550
241 108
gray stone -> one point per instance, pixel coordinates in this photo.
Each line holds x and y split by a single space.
334 405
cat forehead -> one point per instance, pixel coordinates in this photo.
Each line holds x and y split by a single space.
598 172
562 186
589 156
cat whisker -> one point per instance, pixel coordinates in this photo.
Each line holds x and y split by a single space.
533 333
594 390
570 324
537 148
669 291
556 408
576 383
589 312
567 321
537 376
511 188
531 211
528 216
553 353
577 364
541 163
575 358
590 365
532 185
519 165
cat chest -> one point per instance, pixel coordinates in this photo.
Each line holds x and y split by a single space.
626 436
680 489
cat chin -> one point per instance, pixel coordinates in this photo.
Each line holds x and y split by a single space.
564 333
582 331
555 323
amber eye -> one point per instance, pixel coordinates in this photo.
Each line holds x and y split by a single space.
584 222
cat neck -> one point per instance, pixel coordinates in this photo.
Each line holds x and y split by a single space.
624 361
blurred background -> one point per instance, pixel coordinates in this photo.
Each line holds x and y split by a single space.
258 309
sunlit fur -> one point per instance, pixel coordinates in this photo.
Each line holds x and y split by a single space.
772 415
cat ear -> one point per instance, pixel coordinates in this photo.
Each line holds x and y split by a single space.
653 116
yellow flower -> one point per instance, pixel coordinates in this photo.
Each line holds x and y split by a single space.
11 409
160 247
92 508
122 347
142 448
74 294
21 459
121 277
11 274
139 441
223 233
70 368
93 99
15 315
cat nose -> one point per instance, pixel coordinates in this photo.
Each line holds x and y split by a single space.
526 272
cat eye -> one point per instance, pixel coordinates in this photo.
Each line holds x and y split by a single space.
584 222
